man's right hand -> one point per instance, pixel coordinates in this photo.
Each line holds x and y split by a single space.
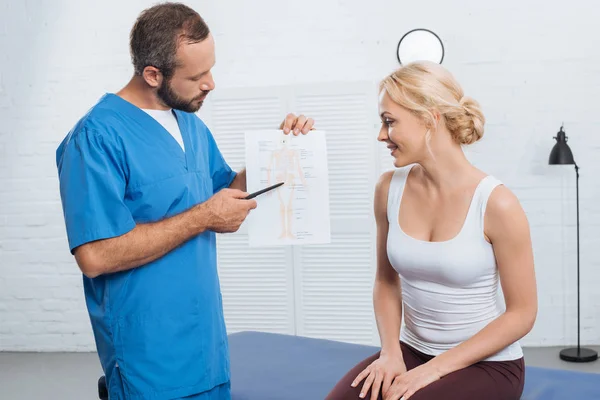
227 210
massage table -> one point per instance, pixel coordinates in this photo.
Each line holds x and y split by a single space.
269 366
266 366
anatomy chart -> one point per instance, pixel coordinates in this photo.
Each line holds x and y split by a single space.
298 211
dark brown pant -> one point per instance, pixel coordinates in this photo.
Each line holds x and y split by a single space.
485 380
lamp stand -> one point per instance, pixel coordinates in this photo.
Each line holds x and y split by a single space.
578 354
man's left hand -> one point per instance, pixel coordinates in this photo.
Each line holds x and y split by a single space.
297 124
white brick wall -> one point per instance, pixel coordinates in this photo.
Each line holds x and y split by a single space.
532 67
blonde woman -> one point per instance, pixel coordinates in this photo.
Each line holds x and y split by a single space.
448 235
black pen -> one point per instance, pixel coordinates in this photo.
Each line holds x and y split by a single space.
253 195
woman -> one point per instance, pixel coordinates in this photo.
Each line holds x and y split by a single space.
447 236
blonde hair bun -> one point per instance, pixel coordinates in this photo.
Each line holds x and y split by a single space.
467 127
424 87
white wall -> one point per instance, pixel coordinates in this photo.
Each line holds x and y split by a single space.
532 67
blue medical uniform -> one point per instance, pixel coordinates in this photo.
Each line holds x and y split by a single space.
159 328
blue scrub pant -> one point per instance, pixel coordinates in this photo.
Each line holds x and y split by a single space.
221 392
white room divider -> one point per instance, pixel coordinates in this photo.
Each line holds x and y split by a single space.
322 291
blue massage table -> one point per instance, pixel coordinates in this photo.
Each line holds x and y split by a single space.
266 366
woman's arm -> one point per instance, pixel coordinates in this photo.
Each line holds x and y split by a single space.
387 296
387 302
507 228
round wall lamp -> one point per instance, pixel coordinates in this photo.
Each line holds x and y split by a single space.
420 44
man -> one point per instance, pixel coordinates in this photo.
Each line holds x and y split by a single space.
144 188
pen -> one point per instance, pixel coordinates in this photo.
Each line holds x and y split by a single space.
253 195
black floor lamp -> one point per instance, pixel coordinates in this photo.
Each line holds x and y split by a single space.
560 155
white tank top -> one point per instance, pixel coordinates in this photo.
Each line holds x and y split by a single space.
450 289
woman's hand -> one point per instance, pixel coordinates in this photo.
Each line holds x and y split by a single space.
380 374
407 384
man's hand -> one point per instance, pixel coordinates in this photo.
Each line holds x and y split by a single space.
298 125
227 210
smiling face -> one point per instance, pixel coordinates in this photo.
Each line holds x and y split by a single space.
404 133
425 113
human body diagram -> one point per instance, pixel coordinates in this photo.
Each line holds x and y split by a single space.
284 166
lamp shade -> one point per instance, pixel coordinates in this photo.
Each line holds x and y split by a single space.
561 152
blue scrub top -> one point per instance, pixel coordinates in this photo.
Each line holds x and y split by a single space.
159 328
